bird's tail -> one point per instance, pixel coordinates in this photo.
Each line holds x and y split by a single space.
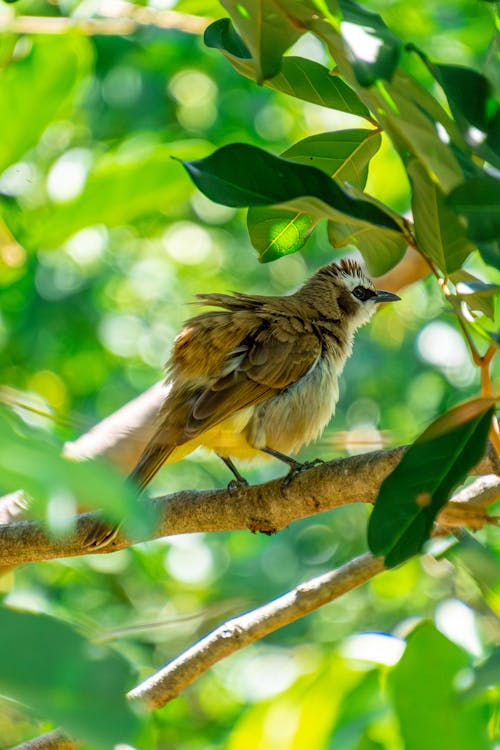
149 464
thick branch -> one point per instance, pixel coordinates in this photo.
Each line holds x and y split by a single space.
56 740
235 634
265 507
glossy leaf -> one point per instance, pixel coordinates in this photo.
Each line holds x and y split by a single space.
412 495
440 234
372 48
58 671
432 713
266 32
478 200
241 175
64 60
344 155
298 77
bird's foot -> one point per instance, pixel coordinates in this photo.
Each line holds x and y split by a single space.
297 468
235 484
101 535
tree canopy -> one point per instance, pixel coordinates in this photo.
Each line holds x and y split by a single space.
152 151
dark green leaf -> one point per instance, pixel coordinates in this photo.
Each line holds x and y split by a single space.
490 253
266 33
222 35
432 714
242 175
372 48
64 60
439 232
478 200
344 155
65 678
412 495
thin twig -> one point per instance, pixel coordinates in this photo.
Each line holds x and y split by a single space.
235 634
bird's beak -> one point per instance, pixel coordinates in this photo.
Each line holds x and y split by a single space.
386 296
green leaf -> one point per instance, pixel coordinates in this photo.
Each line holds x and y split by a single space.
298 77
222 35
380 249
490 253
412 495
478 295
439 232
241 175
30 460
275 232
478 200
265 31
432 714
65 678
345 155
117 176
413 131
372 48
472 102
46 74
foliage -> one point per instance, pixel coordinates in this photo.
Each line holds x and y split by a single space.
103 239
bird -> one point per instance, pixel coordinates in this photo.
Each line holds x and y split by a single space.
259 375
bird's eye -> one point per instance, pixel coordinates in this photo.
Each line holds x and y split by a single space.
363 293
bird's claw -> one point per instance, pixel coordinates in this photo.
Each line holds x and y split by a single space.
235 484
298 468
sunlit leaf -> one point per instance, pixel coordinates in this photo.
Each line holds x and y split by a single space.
412 495
38 86
372 48
432 713
478 200
58 672
345 155
439 233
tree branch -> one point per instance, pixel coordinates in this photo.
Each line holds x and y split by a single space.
235 634
265 507
56 740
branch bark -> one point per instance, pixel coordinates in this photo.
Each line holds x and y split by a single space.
57 740
241 631
265 507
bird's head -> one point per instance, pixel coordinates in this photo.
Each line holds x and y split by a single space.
351 291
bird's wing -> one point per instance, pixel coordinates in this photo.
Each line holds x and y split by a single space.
267 363
270 363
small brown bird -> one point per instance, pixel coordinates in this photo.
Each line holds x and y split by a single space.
261 373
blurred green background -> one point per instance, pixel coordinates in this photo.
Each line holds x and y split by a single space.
103 243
